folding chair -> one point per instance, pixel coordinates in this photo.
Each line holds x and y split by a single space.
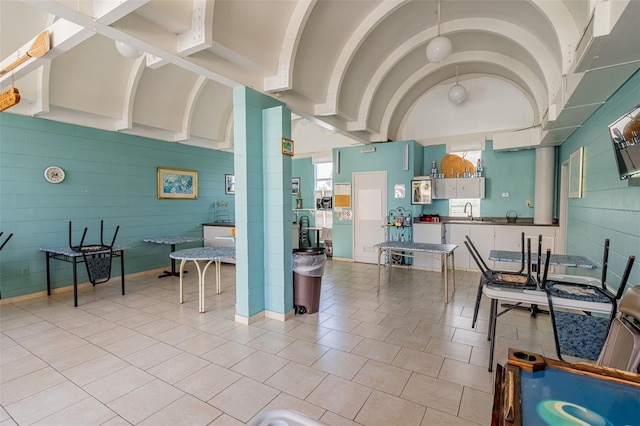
580 334
505 279
97 257
487 272
622 347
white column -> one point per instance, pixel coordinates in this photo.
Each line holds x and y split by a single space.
543 203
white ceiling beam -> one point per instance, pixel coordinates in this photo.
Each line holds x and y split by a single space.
200 35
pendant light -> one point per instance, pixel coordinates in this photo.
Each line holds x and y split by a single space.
128 51
458 93
439 48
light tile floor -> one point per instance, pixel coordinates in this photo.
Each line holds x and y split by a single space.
401 357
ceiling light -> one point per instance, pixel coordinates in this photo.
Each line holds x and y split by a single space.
128 51
458 93
439 48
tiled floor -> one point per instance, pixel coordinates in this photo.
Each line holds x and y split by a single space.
402 357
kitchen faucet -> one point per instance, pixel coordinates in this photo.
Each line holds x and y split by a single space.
470 210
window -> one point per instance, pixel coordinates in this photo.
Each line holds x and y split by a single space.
456 205
324 176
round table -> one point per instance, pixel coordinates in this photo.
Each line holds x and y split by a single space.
203 257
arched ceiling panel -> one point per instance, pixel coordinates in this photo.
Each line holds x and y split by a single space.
430 118
162 96
253 29
211 112
95 84
328 28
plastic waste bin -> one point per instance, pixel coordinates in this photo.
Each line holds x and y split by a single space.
308 268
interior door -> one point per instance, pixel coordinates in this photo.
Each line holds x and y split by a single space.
370 207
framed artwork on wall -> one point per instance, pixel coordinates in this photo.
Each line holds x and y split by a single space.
229 184
421 191
295 185
287 147
178 184
575 173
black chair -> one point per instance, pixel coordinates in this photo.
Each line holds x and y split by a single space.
304 240
577 333
505 279
97 257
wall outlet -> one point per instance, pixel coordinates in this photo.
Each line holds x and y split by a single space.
505 195
528 203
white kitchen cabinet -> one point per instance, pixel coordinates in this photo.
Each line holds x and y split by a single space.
428 233
459 188
454 234
497 237
223 230
483 239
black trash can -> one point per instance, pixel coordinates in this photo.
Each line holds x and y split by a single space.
308 268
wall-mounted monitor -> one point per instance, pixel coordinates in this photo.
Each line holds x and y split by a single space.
625 136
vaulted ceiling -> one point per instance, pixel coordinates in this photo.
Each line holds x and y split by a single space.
355 67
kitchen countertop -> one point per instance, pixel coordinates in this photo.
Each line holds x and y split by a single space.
528 221
230 224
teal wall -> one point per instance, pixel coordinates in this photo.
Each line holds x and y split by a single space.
110 176
505 171
609 207
508 171
387 157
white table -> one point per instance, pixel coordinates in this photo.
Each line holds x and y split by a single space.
206 255
534 297
403 248
172 241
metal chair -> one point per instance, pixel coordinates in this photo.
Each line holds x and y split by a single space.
622 347
97 257
507 279
580 334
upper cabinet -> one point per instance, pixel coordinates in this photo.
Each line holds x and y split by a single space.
458 188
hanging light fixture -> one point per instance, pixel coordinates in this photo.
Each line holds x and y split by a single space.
439 48
128 51
458 93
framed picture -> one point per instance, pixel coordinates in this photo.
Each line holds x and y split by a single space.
421 191
575 173
287 147
177 183
229 184
295 185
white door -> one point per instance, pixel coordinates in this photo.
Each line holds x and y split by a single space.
370 211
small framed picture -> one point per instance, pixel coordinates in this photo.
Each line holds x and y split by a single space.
421 191
295 185
177 183
229 184
287 147
575 173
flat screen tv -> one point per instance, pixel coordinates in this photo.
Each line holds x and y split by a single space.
625 136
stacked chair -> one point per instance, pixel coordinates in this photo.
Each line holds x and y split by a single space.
2 246
304 240
505 279
578 333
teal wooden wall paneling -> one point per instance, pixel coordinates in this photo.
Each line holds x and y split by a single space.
109 176
609 208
